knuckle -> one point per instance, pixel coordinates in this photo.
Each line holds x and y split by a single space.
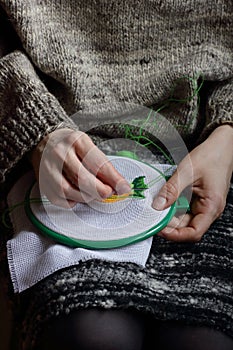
64 188
81 138
171 190
70 137
219 203
102 167
57 153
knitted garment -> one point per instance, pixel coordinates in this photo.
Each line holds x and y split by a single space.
85 56
190 283
74 56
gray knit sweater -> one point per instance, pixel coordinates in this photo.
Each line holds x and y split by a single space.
73 55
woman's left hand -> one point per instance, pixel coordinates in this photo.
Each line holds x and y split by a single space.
208 169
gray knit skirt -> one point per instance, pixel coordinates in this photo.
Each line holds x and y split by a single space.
187 282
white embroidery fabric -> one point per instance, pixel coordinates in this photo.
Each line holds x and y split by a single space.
33 256
100 221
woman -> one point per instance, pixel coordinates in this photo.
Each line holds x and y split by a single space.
76 56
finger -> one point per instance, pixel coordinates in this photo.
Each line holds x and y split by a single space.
184 220
59 191
108 174
55 195
63 203
169 193
199 224
87 183
176 222
74 195
68 199
97 162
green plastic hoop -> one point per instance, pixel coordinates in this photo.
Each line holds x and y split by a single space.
102 244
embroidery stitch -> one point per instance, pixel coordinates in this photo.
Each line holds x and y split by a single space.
138 187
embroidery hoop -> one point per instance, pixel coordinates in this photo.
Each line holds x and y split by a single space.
48 218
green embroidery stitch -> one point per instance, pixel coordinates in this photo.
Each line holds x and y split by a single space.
138 185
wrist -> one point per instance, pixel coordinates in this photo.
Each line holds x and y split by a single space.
222 140
226 130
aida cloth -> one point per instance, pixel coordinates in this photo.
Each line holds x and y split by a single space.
99 221
33 256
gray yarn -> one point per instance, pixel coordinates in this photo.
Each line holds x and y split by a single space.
91 53
78 55
190 283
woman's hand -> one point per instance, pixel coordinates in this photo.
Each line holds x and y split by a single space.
71 169
208 169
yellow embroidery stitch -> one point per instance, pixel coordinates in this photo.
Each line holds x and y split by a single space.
138 187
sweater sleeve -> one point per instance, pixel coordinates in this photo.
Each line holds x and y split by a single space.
28 111
219 107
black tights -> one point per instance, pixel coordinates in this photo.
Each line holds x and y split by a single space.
125 330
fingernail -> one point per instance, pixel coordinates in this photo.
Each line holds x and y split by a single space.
168 230
123 188
159 203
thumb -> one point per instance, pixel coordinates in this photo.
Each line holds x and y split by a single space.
173 188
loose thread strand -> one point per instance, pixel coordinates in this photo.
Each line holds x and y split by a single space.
8 210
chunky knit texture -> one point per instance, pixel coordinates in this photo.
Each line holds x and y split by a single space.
77 55
190 283
71 56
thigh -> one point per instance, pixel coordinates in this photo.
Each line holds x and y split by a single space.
95 329
177 336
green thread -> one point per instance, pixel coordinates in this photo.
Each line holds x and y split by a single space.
141 139
138 185
7 211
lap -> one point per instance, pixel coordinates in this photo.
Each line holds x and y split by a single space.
198 275
98 329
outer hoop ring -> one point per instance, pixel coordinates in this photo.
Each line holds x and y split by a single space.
102 244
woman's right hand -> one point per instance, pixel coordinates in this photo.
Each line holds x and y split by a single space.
71 169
